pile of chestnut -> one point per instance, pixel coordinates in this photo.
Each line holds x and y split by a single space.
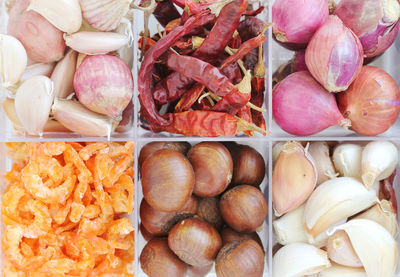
202 204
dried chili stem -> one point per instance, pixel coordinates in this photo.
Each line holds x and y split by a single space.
243 125
218 98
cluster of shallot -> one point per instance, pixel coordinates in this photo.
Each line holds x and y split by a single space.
65 66
328 83
336 212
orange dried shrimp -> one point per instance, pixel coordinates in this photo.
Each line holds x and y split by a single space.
63 210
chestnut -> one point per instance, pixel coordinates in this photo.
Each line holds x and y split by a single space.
151 147
248 166
195 271
145 234
157 260
158 223
229 235
195 242
209 211
244 208
240 258
213 166
167 180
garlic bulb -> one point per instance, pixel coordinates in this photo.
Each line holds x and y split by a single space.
374 245
379 160
33 103
333 201
13 60
298 259
319 151
63 75
293 179
36 69
66 15
104 15
276 150
341 251
95 43
347 159
342 271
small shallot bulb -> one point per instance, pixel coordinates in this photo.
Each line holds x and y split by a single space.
240 258
213 167
195 242
319 151
334 55
340 250
167 180
208 209
347 159
152 147
244 208
378 161
371 102
289 191
229 235
13 60
157 260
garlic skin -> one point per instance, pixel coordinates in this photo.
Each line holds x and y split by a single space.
319 151
374 245
95 43
341 251
298 259
65 15
342 271
379 160
333 201
13 60
36 69
289 191
33 103
63 75
276 150
347 159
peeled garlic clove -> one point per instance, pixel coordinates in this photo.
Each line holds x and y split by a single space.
66 15
104 15
333 201
55 127
33 103
13 60
374 245
383 214
347 159
378 161
319 151
80 120
293 179
9 109
341 251
95 43
63 75
37 69
342 271
298 259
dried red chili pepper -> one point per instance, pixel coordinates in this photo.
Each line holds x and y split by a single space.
179 3
149 43
165 12
254 12
258 89
245 114
189 98
250 27
172 25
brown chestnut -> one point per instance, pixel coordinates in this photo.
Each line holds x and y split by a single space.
248 166
145 234
240 258
159 223
244 208
196 271
167 180
229 235
157 260
152 147
213 166
209 211
195 242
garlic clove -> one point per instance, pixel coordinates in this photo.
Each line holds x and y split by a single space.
36 69
379 160
9 109
276 150
298 259
13 60
342 271
80 59
63 75
65 15
341 251
95 43
33 103
374 245
333 201
289 191
54 126
77 118
383 214
126 52
104 15
347 159
319 151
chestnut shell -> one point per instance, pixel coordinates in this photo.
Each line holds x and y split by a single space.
229 235
145 233
248 166
151 147
208 210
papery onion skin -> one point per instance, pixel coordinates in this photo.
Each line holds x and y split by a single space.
302 107
378 30
372 102
296 21
334 55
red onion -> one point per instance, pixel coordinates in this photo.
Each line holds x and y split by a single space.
371 102
373 21
299 61
104 84
334 55
302 107
296 21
